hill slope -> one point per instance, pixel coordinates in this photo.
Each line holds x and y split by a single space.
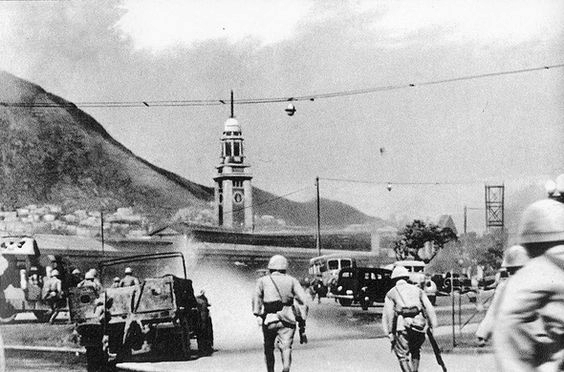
52 152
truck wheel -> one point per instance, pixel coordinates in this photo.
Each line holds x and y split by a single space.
345 302
205 338
185 351
42 316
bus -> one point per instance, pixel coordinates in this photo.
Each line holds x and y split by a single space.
324 271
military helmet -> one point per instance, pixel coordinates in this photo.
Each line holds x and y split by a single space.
89 275
116 279
542 221
128 270
33 269
515 256
76 271
278 262
55 272
400 272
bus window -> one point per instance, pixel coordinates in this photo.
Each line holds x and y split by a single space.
418 269
346 263
333 264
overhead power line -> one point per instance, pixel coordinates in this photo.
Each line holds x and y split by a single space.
437 183
252 101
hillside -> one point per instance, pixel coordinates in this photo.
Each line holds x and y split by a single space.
52 152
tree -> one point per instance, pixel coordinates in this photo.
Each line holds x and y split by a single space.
422 242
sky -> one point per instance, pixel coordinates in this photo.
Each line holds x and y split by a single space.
458 136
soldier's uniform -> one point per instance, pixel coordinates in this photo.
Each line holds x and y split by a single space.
513 259
54 293
128 280
90 281
406 315
272 292
529 332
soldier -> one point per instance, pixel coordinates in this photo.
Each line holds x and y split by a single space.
115 283
529 331
273 302
513 259
128 280
407 314
89 281
34 277
54 293
76 277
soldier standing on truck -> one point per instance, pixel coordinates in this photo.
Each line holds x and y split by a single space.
129 279
115 283
89 281
273 305
406 316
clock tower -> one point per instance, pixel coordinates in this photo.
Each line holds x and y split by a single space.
233 191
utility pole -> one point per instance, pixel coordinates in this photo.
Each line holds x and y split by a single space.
318 240
102 229
465 219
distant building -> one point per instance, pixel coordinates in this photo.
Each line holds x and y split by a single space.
233 191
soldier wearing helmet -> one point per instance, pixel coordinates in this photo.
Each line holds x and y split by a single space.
91 281
406 316
129 279
529 331
54 293
514 258
115 283
274 294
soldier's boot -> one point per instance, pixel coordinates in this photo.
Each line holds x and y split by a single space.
53 316
415 364
269 358
405 366
286 360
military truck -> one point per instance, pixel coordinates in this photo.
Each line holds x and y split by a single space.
24 282
152 321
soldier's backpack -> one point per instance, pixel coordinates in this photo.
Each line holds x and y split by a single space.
418 321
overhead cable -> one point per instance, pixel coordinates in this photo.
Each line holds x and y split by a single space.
252 101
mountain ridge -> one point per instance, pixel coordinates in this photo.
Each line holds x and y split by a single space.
51 151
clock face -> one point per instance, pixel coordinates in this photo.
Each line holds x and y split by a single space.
238 197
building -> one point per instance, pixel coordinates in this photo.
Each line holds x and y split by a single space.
233 191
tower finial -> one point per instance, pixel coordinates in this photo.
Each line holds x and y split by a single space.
232 111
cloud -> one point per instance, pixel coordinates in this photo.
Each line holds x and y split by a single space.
482 21
162 25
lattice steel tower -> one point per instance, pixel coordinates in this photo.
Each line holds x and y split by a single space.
494 207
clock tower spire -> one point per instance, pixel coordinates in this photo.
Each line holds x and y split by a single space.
233 190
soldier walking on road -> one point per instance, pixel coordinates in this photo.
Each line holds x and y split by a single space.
273 305
513 259
529 330
128 280
406 316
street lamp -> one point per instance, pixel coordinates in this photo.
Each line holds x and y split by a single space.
555 189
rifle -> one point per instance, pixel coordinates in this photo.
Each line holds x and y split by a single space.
436 349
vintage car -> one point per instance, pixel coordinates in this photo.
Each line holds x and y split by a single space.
156 318
362 285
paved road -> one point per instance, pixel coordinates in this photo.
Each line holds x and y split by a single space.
341 339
